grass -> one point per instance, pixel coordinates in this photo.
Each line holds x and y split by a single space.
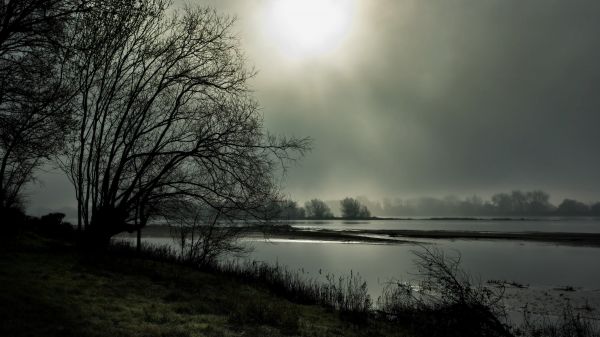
346 294
49 289
568 324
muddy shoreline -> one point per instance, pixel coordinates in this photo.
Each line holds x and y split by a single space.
395 236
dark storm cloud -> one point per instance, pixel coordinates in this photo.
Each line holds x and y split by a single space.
456 97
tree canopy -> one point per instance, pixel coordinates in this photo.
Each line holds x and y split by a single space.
317 209
164 114
34 98
353 209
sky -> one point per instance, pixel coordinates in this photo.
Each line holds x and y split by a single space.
409 98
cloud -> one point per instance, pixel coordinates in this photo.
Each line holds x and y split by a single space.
436 98
451 97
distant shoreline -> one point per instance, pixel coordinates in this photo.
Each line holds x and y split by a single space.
396 236
449 218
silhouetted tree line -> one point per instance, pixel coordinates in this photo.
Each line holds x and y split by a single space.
50 225
350 208
515 203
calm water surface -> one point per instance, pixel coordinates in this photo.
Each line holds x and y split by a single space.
540 265
536 264
532 263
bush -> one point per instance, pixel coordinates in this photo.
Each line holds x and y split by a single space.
13 220
52 225
445 301
202 237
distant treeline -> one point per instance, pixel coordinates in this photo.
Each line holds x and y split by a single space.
350 208
515 203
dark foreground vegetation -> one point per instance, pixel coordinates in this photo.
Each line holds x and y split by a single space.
50 288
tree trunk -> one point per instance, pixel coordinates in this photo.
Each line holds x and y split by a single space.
138 246
95 239
106 223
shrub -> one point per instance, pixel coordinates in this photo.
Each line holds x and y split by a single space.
52 225
445 301
12 219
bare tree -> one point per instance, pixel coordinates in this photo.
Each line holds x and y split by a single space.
29 24
353 209
34 101
164 113
289 210
317 209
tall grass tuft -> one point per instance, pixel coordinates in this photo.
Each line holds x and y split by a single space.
569 324
347 294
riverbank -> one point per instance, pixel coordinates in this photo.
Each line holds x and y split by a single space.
49 289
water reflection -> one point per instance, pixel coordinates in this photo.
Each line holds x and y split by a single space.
533 263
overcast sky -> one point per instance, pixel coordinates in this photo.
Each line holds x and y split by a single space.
429 98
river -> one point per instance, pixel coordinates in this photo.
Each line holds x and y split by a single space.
546 270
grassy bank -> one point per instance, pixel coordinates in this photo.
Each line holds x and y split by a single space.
49 289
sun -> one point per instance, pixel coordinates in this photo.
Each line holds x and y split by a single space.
305 28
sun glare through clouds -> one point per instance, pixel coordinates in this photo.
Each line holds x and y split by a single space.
308 28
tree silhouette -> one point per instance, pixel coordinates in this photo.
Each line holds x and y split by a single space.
317 209
289 210
164 114
353 209
595 209
34 100
572 207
